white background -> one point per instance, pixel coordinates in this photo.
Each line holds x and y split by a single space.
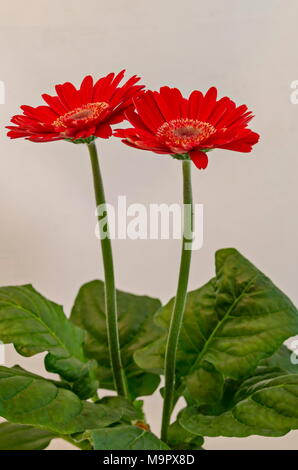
248 49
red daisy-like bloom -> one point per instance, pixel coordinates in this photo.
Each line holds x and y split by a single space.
167 123
74 114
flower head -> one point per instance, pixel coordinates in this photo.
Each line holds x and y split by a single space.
77 115
167 123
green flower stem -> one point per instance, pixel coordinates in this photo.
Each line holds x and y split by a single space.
110 290
179 306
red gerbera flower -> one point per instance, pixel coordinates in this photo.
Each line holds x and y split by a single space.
167 123
74 114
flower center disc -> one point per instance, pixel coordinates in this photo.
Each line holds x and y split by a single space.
83 116
185 133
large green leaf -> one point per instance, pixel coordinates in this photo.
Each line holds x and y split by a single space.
265 404
34 324
26 398
233 322
22 437
125 438
136 329
212 390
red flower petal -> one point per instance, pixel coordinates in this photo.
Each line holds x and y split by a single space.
40 113
150 112
135 120
55 103
243 142
174 99
102 87
208 104
104 131
199 158
163 105
68 95
194 103
86 90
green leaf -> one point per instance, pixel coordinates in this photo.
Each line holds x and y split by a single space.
233 322
26 398
224 424
282 360
127 410
210 394
125 438
265 404
136 329
22 437
34 324
181 439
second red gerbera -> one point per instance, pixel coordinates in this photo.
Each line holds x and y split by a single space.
77 114
167 123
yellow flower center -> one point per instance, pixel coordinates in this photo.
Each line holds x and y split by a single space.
82 116
185 133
